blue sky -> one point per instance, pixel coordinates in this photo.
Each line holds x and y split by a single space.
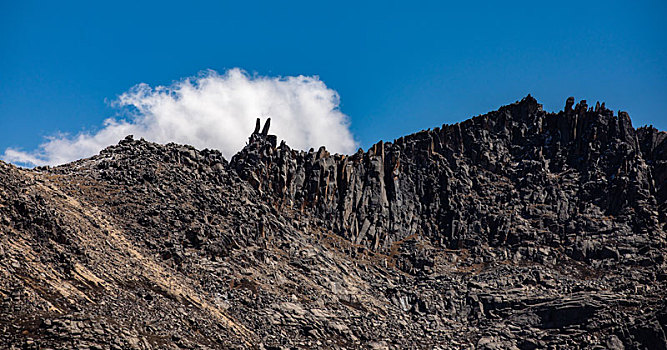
398 67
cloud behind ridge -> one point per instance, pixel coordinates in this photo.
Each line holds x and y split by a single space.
211 111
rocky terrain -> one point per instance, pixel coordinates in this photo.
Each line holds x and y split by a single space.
517 229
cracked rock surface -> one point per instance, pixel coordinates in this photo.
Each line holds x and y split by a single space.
517 229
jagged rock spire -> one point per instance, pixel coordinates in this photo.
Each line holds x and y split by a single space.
569 103
256 136
265 130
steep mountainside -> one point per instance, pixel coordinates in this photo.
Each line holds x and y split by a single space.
515 229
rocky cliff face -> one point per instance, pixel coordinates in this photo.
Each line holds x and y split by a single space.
504 179
515 229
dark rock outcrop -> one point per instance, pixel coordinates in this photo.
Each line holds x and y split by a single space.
506 178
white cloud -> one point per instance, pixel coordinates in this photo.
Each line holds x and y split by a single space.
212 111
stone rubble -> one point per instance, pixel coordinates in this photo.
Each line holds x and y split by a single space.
517 229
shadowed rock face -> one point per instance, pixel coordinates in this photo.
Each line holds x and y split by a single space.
516 229
509 177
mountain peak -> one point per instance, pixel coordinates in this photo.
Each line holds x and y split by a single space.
519 228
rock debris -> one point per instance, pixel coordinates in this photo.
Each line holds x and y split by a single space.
517 229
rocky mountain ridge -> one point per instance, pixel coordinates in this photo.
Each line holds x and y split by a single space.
538 170
515 229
